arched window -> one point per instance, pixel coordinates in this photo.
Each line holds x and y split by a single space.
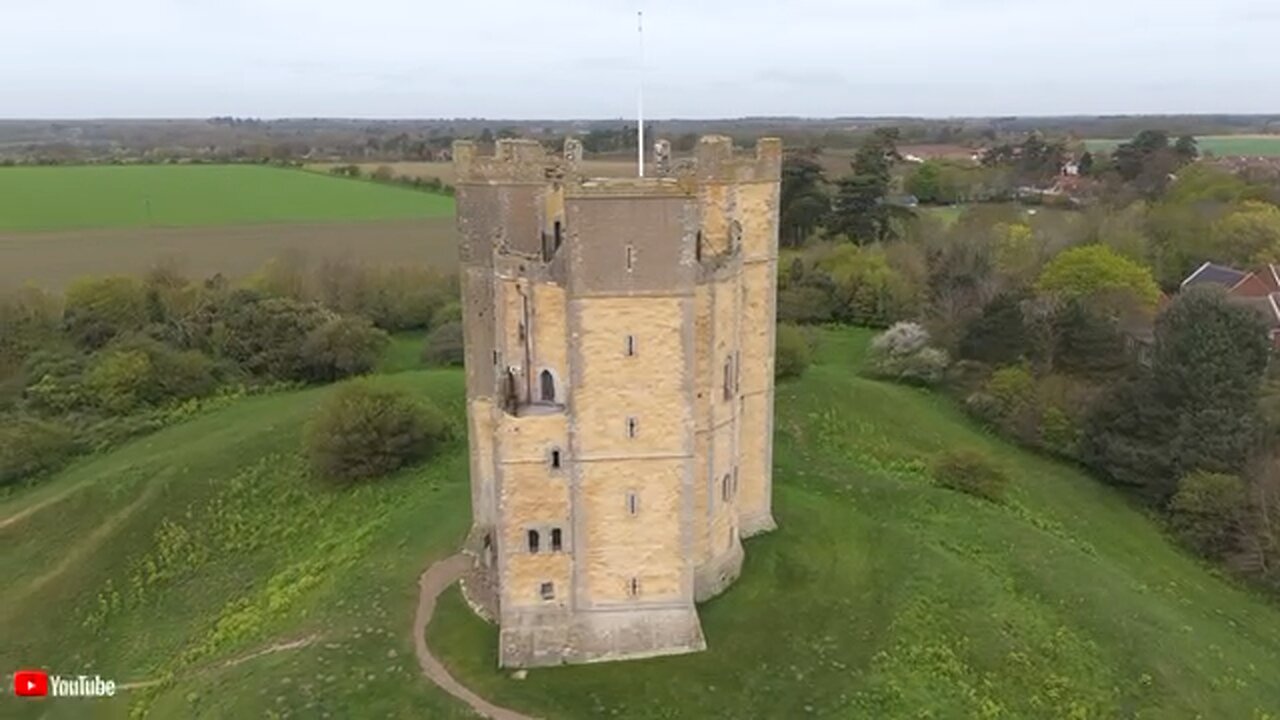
533 542
724 488
557 540
547 384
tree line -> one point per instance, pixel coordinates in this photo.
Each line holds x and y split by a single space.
1067 329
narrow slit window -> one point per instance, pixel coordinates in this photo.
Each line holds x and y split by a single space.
633 504
724 488
632 427
631 345
547 591
495 357
734 489
555 459
559 235
548 386
533 542
697 247
728 378
737 371
633 587
557 540
520 331
631 258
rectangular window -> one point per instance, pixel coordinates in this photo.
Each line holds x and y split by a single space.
631 345
533 542
724 488
631 258
520 331
557 540
632 427
547 591
697 247
559 235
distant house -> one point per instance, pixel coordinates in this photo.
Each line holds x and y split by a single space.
1258 290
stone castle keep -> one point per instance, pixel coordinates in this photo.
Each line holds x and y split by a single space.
619 362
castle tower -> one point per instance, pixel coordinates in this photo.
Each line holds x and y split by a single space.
619 361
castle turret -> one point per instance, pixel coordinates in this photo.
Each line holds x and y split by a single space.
619 356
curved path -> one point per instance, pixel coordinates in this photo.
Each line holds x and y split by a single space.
433 581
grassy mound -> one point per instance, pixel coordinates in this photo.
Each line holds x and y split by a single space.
64 198
884 596
185 555
209 542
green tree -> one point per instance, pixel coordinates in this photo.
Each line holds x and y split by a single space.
804 202
1098 272
1087 341
1198 408
925 182
859 209
867 290
1250 234
1187 149
999 335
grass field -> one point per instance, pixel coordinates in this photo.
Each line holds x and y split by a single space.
60 223
880 596
1219 145
61 198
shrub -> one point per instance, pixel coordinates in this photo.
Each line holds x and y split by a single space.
266 336
1208 512
121 380
341 348
805 304
444 345
970 472
902 353
29 447
362 432
55 382
792 356
98 309
450 312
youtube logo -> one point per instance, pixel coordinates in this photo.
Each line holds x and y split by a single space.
31 683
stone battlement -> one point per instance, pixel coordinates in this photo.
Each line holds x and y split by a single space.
527 161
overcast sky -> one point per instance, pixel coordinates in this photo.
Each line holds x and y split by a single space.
578 58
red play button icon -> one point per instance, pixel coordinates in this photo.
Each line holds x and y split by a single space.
31 683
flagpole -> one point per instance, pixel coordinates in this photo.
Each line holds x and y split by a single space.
640 94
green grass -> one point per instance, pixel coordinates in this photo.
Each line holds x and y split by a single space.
880 596
1220 145
883 596
60 198
209 541
404 353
